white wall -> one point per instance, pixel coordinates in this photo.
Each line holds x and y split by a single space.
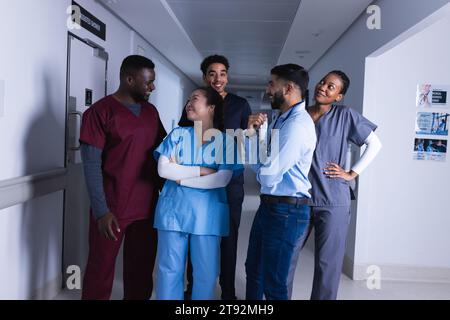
33 67
30 248
403 206
32 64
350 51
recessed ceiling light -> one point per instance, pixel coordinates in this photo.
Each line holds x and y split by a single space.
302 51
247 75
317 33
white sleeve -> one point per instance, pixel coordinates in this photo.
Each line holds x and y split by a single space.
373 147
172 171
219 179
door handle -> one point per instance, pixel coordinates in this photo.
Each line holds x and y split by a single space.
79 114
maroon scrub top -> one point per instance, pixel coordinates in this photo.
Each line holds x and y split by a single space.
130 176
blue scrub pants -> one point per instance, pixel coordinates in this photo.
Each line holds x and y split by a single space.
330 234
228 247
172 252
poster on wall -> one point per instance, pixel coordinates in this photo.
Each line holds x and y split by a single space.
432 123
429 95
430 149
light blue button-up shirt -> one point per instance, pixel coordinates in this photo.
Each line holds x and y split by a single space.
285 173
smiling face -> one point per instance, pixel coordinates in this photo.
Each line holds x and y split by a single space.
141 84
328 90
217 77
197 108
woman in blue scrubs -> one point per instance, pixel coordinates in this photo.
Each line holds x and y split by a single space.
192 209
336 126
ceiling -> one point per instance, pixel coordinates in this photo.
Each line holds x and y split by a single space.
250 33
254 35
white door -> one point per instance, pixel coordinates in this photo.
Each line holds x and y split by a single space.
86 84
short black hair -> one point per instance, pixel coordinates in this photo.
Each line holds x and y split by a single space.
212 98
134 63
344 78
213 59
295 73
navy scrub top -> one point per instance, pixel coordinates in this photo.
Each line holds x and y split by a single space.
334 130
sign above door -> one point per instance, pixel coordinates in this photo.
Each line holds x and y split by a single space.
89 22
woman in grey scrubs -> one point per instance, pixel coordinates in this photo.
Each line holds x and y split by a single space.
336 126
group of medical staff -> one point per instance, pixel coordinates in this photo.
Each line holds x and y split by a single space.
177 198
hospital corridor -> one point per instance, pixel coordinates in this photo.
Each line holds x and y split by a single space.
236 150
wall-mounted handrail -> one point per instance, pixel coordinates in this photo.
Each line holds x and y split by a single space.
22 189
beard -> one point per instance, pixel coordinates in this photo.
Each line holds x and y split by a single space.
277 100
139 97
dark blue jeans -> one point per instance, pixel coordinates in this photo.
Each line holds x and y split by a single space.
276 230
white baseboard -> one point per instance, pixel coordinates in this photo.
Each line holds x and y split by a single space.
49 291
397 272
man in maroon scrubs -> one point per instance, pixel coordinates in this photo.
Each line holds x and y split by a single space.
118 136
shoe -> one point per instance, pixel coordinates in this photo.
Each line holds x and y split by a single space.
228 297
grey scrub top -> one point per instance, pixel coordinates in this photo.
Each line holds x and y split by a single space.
334 130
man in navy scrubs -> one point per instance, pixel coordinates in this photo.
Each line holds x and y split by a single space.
236 114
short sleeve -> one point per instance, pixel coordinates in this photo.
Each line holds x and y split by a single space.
93 127
168 146
359 127
161 131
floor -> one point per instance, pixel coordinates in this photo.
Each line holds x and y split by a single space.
349 289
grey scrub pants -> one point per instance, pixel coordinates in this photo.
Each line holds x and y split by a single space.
330 232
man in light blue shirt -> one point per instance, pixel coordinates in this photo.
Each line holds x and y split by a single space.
283 217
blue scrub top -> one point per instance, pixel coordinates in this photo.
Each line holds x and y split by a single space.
334 130
191 210
236 113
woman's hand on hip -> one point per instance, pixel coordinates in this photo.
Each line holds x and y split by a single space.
334 171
